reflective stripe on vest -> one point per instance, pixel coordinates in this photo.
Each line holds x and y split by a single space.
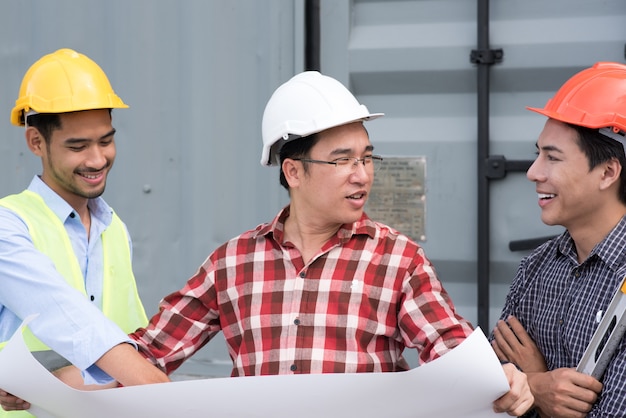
120 299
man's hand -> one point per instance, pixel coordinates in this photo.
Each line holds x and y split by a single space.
512 343
12 403
519 398
564 393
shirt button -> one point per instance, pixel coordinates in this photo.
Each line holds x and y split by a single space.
92 298
72 215
302 274
561 321
576 273
293 368
296 321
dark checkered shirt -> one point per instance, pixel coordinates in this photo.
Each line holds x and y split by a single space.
559 302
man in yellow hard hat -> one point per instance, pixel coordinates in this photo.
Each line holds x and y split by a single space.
564 287
64 253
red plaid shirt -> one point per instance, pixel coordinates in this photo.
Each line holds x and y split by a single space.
369 293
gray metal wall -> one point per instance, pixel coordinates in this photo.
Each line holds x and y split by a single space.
410 59
197 74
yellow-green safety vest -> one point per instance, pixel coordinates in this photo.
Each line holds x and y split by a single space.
120 299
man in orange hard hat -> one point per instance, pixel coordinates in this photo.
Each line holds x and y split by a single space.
563 288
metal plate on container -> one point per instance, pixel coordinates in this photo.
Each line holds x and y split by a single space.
398 195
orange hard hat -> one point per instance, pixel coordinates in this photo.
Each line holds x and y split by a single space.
594 98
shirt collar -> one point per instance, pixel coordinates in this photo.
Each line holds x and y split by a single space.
364 226
608 250
98 208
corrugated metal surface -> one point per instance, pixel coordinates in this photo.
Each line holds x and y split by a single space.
410 59
197 75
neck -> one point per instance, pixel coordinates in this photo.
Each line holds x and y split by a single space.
307 237
587 236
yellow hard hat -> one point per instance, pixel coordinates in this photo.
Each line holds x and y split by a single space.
64 81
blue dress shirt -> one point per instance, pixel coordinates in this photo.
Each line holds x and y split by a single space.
68 322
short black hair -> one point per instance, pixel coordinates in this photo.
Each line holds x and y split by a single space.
296 148
45 123
600 148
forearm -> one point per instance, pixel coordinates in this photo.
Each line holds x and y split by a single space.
128 367
71 376
539 390
122 362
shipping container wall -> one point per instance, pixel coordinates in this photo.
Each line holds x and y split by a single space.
411 60
197 75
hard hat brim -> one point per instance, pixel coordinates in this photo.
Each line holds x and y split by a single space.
269 156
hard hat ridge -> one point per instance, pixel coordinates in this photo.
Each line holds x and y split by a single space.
306 104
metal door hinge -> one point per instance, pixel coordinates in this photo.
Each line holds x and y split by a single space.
486 56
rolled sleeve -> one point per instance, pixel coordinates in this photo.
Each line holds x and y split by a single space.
90 344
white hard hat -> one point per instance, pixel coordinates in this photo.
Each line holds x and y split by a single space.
306 104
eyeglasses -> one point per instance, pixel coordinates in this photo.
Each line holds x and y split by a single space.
347 165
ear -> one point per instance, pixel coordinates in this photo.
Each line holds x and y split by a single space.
612 170
34 141
293 172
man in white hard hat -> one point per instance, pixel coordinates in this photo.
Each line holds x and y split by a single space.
321 288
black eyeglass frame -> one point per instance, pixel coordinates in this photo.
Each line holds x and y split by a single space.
338 161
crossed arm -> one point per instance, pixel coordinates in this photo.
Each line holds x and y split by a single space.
561 392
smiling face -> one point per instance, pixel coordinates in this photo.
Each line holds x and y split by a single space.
569 192
323 195
78 156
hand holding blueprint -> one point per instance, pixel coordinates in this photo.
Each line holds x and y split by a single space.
462 383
